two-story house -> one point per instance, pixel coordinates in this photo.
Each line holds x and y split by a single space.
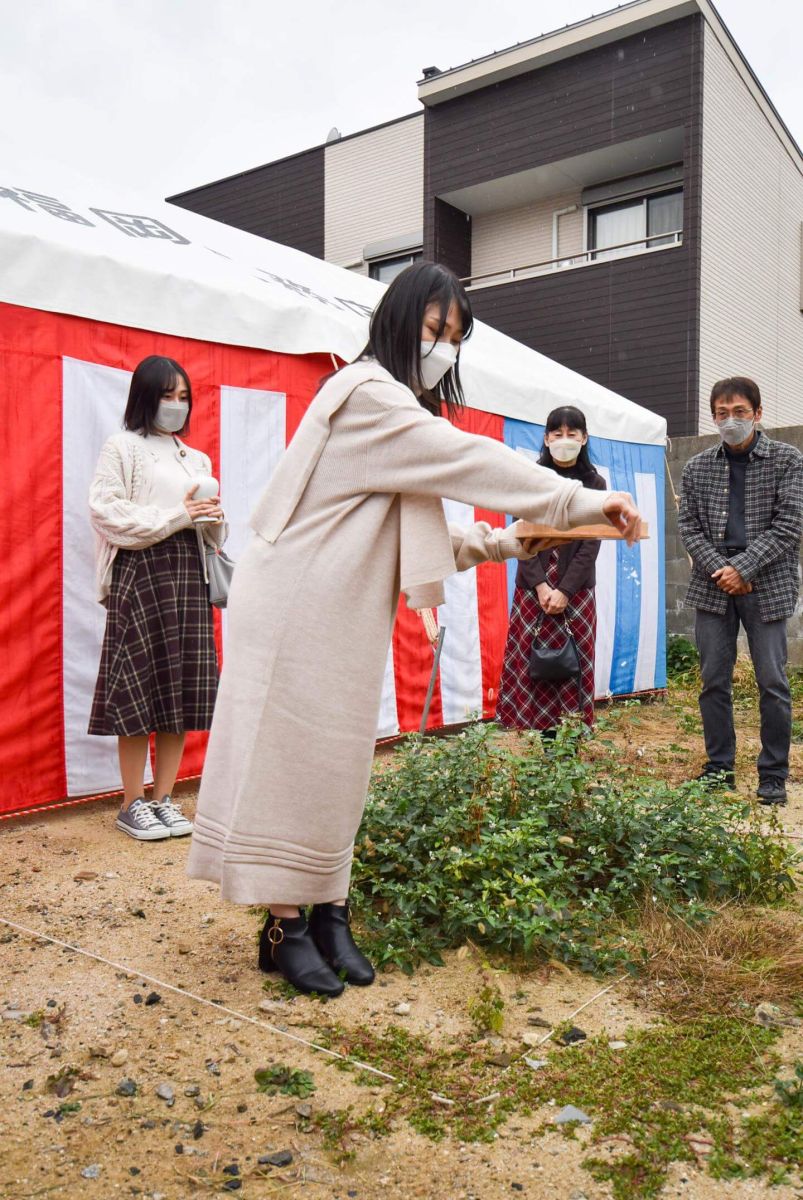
620 195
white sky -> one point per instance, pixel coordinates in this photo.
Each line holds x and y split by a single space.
150 97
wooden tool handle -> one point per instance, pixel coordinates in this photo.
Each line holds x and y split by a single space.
556 537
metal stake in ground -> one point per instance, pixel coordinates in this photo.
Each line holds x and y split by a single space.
432 678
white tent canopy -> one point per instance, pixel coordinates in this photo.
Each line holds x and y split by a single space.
170 270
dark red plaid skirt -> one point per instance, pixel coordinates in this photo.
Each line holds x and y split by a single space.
158 667
528 704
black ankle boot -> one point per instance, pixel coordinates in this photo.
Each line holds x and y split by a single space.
286 946
329 926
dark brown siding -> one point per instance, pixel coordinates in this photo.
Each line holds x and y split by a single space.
631 324
283 201
452 238
629 88
687 421
623 324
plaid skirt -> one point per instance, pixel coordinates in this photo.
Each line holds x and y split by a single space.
158 666
538 704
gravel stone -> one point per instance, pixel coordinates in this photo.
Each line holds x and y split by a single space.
572 1035
280 1158
570 1113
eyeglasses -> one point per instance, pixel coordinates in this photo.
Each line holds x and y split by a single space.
741 414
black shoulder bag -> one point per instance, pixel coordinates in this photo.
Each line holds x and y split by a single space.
554 664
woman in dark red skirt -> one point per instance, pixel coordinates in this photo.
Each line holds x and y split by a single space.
554 595
154 505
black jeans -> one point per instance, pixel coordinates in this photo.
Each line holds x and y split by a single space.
716 641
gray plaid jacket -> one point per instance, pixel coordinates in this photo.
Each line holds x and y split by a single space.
773 497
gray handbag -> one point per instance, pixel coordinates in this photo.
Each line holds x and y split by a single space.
219 570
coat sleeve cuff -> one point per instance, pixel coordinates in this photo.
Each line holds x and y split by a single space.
425 595
742 563
179 519
585 508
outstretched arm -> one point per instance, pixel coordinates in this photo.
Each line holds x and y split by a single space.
409 450
482 542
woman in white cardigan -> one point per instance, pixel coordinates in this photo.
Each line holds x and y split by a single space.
158 667
352 514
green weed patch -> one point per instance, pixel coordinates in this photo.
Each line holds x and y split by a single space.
668 1097
545 853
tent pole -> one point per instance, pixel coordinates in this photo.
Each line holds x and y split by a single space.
432 678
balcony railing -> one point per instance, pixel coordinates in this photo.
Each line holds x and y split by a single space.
600 254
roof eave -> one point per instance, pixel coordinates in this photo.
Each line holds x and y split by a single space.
575 39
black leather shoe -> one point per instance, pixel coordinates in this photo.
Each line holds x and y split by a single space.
771 790
286 946
329 926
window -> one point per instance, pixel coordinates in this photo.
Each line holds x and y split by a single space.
664 215
386 269
657 219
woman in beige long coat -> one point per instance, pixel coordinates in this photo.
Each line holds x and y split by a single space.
352 516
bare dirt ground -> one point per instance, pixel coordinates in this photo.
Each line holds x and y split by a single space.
71 875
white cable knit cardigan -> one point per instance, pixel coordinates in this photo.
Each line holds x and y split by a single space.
119 518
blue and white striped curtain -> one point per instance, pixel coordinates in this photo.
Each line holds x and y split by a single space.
631 611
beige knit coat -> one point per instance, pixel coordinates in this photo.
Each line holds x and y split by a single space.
352 513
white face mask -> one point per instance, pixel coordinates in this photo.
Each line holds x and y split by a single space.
735 430
171 415
436 359
565 450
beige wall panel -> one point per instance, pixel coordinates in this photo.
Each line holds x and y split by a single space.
374 189
752 207
518 236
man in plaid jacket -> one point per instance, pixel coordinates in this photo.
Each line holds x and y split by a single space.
741 516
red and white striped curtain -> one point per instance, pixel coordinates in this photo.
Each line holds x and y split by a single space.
63 386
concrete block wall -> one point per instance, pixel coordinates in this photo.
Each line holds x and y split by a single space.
679 618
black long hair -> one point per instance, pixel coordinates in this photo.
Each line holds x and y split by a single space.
154 376
572 418
394 337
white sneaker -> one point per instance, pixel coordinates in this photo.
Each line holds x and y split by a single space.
139 822
171 816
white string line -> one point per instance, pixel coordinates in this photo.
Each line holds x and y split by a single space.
233 1012
547 1036
571 1015
45 937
